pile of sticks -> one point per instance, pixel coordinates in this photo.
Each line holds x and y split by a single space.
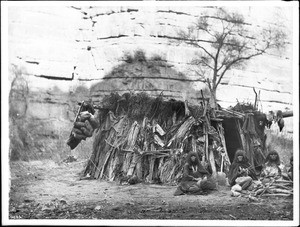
274 188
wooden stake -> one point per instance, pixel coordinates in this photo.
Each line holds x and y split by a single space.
114 166
139 171
221 134
105 161
132 164
212 163
206 141
194 144
127 161
186 108
110 165
174 118
255 102
161 162
242 136
151 168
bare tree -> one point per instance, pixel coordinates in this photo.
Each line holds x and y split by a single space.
227 42
18 94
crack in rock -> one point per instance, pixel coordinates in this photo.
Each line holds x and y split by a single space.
54 77
32 62
176 12
113 37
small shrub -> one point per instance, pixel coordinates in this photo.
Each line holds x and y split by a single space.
157 57
128 58
140 56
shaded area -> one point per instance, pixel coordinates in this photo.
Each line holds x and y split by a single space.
232 137
151 75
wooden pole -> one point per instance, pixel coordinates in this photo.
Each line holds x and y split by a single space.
206 141
194 144
242 136
132 164
255 102
221 133
212 163
151 166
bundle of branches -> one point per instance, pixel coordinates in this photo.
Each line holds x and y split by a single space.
244 107
276 187
140 105
143 138
84 125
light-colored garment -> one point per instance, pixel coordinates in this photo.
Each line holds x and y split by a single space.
272 170
244 182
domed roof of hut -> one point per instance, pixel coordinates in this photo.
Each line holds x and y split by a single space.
150 75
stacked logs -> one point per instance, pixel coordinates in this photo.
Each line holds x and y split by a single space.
274 188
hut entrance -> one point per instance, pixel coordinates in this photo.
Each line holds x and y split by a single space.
232 137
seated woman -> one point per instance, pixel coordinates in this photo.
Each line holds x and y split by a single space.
241 172
290 169
272 168
196 179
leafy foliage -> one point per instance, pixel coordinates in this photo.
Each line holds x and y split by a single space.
140 56
228 42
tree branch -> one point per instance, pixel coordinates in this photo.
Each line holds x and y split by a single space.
236 61
218 69
209 54
202 76
203 62
221 42
209 84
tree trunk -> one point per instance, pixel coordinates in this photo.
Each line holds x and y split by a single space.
213 98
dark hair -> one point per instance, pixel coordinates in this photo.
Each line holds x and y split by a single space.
272 152
240 152
188 158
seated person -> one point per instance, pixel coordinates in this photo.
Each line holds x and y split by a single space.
241 172
272 168
196 179
290 169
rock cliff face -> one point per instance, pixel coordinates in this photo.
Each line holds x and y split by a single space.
62 49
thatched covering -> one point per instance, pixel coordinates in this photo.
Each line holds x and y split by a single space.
149 138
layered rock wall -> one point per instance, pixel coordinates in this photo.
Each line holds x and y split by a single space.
71 44
62 49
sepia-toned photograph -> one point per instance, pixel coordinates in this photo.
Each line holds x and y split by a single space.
150 113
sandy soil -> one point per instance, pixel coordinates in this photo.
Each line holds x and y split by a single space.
44 189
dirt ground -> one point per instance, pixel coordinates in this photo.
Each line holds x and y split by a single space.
47 190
